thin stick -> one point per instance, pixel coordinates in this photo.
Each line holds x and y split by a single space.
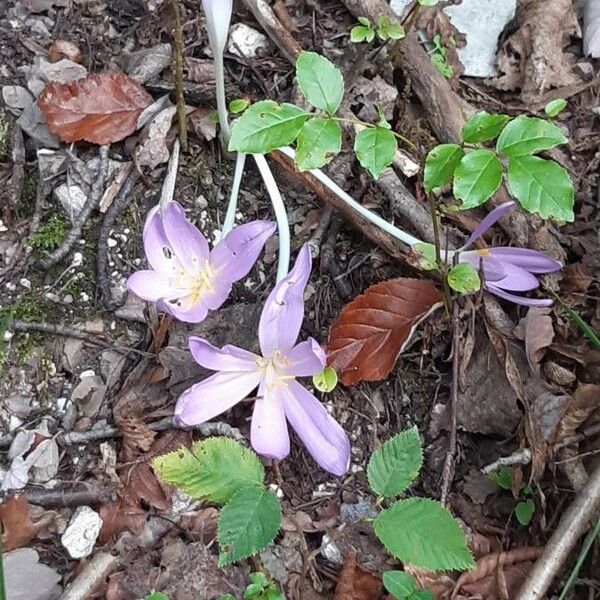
229 222
178 55
575 521
82 217
449 463
61 330
96 571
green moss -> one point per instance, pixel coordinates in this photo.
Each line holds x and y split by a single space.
50 234
4 136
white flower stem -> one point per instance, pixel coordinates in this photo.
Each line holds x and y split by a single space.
168 188
220 88
396 232
240 163
283 225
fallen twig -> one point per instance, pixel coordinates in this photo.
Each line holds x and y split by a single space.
96 571
59 498
575 521
82 217
61 330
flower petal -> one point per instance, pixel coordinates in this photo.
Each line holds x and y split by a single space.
518 299
228 358
530 260
218 17
148 285
214 395
517 279
236 254
185 308
493 269
268 431
219 292
156 245
283 312
488 221
322 435
188 244
305 359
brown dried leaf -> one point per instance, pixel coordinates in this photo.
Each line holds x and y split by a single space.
144 485
539 334
117 516
356 583
372 330
17 525
202 524
585 401
439 584
101 108
64 49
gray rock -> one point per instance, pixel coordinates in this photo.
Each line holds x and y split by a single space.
16 96
89 395
72 198
21 569
146 64
82 532
33 123
132 310
248 40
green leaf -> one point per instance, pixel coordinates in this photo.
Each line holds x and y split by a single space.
427 2
326 381
360 33
318 141
528 135
542 187
396 464
248 523
440 165
422 595
387 30
214 470
502 477
157 596
238 105
555 107
483 126
464 278
477 177
226 597
253 590
399 584
259 578
395 32
583 326
375 148
265 126
320 81
524 511
422 533
428 259
364 21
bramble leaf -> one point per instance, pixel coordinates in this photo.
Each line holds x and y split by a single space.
399 584
427 2
248 523
464 278
422 595
528 135
318 141
375 148
483 126
320 81
555 107
157 596
477 177
395 465
440 165
422 533
524 511
214 470
265 126
542 187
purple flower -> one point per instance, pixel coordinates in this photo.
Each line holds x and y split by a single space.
186 279
507 270
281 399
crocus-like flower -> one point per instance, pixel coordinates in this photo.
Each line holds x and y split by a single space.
218 17
505 269
186 279
281 398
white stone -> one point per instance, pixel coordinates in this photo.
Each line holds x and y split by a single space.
82 532
111 243
248 40
25 283
77 259
87 373
72 199
68 299
330 551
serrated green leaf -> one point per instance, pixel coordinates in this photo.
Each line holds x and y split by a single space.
214 470
360 33
427 2
396 464
440 165
375 148
265 126
555 107
483 126
524 511
318 142
528 135
326 381
464 278
477 177
422 595
399 584
422 533
238 105
248 523
320 81
542 187
157 596
428 260
502 477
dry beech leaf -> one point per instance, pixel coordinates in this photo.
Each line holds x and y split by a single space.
17 526
101 108
372 330
539 334
356 583
119 515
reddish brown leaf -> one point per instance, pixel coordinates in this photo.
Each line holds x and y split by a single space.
18 527
356 583
373 329
144 485
117 516
101 108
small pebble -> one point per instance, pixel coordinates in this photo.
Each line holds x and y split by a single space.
68 299
25 283
84 297
87 373
82 532
111 242
77 259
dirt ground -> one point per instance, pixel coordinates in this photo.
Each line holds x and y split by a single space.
84 357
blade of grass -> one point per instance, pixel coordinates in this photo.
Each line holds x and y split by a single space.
576 318
2 586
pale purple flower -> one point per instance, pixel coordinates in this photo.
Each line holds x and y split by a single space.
506 269
218 17
281 399
186 279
